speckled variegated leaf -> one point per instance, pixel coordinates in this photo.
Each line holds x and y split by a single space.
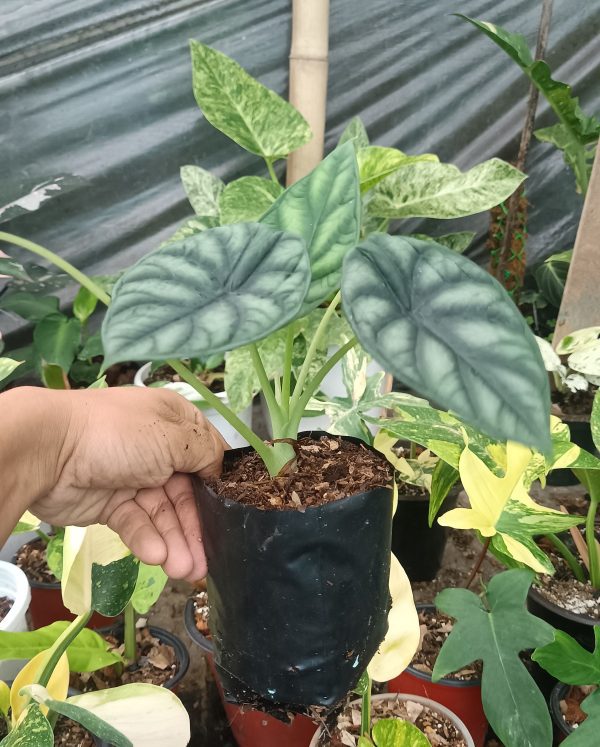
242 108
113 585
394 732
459 242
247 198
202 189
376 162
323 208
441 190
356 132
448 329
33 730
7 366
33 200
213 292
551 276
191 227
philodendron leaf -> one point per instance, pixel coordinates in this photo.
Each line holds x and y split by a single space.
496 631
58 685
146 714
84 304
213 292
202 189
151 581
586 734
87 653
449 330
56 339
441 190
376 162
191 227
12 269
33 730
30 306
568 661
54 552
356 132
4 698
394 732
323 208
444 478
7 366
246 199
39 194
459 242
242 108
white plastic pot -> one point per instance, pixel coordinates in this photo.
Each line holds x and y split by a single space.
437 707
181 387
15 586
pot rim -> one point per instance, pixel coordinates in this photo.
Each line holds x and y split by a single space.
561 611
432 704
22 593
142 374
203 642
35 584
558 691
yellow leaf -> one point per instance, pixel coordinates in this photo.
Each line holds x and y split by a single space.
521 554
402 639
57 687
4 698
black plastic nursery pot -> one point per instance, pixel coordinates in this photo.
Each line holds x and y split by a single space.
462 697
561 728
419 547
298 599
581 434
251 727
578 626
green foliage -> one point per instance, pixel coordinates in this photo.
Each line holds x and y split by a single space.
33 730
203 190
33 200
151 581
191 227
7 366
56 340
551 276
226 287
459 242
31 307
393 732
323 208
246 199
84 305
242 108
376 162
496 630
428 189
444 478
446 328
54 552
355 132
113 585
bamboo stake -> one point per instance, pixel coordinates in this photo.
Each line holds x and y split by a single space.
308 80
579 307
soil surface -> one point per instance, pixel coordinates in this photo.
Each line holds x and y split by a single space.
437 728
156 665
121 374
31 558
214 380
67 733
201 612
570 706
326 470
574 405
435 629
5 606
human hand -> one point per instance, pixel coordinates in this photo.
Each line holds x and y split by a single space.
121 459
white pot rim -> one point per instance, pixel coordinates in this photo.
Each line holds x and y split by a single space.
434 705
20 592
182 387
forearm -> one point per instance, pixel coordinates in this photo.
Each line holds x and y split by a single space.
34 425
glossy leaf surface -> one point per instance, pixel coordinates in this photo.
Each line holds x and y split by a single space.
376 162
33 730
247 199
213 292
446 328
394 732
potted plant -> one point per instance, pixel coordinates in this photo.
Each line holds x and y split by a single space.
15 596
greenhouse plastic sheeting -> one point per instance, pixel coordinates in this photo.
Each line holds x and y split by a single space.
102 89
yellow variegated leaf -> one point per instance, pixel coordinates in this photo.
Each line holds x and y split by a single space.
4 698
521 554
402 639
57 686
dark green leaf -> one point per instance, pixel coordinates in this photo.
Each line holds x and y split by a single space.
92 347
246 199
56 340
84 304
448 329
202 189
32 201
323 208
213 292
246 111
113 585
515 45
356 132
444 478
496 632
13 269
33 730
551 276
363 685
151 581
568 662
29 306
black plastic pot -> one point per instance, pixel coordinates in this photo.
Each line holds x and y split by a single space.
581 434
419 547
562 729
298 600
578 626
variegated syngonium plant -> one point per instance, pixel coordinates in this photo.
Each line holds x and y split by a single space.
575 363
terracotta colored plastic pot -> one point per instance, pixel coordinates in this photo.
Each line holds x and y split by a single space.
442 710
561 728
251 728
578 626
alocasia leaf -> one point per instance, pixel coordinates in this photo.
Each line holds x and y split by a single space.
356 132
202 189
441 190
210 293
33 730
496 630
323 208
393 732
376 162
242 108
246 199
446 328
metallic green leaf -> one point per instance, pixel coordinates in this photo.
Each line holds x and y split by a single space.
376 162
242 108
246 199
448 329
356 132
323 208
202 189
213 292
32 730
441 190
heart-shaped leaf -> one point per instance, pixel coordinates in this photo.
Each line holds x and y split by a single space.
213 292
441 190
202 189
56 340
247 198
323 208
246 111
448 329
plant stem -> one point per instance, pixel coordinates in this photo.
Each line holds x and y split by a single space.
272 173
569 557
130 643
274 409
480 560
59 647
312 349
365 711
43 536
287 369
297 411
590 538
76 274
